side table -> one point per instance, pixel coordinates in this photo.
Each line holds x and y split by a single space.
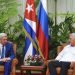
32 68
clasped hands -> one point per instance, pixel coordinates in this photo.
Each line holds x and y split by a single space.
5 59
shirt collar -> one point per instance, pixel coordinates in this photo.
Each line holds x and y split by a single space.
1 45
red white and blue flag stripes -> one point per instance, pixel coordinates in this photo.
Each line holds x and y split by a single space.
30 28
36 29
42 28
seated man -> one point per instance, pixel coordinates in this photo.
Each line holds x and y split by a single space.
64 59
6 53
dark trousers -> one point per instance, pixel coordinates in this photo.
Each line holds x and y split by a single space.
7 67
54 64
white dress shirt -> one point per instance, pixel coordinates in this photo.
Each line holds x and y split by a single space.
67 54
1 50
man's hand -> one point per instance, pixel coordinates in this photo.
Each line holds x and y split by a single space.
5 59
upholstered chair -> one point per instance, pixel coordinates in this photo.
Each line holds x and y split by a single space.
71 70
14 63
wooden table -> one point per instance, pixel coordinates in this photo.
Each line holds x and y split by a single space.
32 68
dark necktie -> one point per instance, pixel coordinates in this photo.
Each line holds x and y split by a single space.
0 53
3 52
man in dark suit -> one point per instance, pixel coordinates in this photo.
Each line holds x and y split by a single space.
6 53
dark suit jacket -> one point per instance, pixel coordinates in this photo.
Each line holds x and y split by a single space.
9 50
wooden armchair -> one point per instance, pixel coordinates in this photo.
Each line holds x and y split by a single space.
71 70
14 63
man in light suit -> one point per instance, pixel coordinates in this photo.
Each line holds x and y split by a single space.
6 53
65 58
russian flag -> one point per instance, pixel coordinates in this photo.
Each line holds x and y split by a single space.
30 28
42 28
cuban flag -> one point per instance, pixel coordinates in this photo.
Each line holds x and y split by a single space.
42 28
30 28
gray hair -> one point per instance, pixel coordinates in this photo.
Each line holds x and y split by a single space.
3 35
73 34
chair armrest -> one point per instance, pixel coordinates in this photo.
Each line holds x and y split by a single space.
72 65
14 62
49 61
74 68
47 71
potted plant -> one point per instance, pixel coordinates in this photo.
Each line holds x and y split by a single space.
59 33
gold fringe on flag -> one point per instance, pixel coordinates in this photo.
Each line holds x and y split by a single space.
35 46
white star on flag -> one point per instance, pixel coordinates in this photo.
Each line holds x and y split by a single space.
29 8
